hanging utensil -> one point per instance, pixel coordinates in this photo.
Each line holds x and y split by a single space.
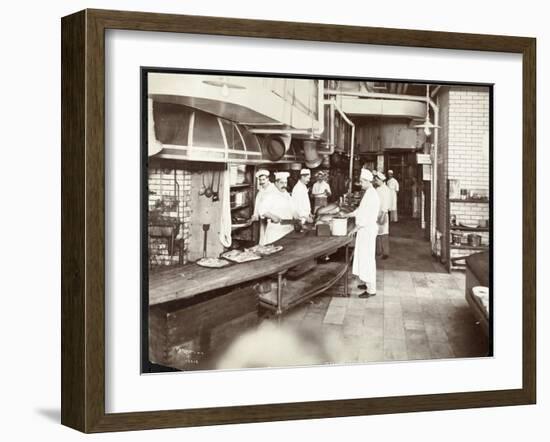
202 189
208 192
205 228
216 194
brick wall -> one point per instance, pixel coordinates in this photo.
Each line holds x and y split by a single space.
169 212
442 155
464 113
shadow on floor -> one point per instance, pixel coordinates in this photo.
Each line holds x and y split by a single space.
51 414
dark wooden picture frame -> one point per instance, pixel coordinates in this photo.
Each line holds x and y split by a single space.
83 220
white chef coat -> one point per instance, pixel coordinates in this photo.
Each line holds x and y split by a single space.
393 185
280 204
262 192
364 261
300 198
319 188
386 196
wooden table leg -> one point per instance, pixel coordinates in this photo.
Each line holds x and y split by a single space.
279 293
346 276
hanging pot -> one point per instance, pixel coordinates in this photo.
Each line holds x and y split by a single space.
216 194
208 192
274 147
202 189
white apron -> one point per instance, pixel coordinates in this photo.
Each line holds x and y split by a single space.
364 260
300 197
279 204
393 185
385 196
259 198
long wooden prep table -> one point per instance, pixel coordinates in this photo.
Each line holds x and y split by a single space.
192 280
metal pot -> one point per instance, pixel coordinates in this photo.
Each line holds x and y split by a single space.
474 240
456 238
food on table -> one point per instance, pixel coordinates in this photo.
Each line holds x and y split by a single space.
266 250
331 209
213 262
239 256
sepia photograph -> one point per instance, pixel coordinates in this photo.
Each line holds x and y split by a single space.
290 221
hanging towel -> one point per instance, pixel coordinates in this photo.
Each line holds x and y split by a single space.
225 219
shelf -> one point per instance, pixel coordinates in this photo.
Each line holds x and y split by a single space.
236 186
469 200
465 247
242 206
314 282
239 227
469 229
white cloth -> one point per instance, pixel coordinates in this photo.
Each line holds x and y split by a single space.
366 174
385 195
394 187
280 204
225 219
364 260
262 192
319 188
281 175
300 198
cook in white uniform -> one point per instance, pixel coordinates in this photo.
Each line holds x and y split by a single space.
300 197
366 226
277 206
320 191
264 187
393 185
385 196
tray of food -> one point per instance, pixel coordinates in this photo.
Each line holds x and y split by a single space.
267 250
213 263
240 256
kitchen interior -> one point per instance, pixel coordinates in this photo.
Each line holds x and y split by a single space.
220 300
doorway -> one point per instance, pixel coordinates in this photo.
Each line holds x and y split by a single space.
403 165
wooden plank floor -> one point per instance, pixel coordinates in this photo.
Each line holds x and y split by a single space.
419 313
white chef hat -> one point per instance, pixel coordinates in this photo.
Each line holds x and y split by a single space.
305 172
366 174
281 175
381 176
262 172
390 171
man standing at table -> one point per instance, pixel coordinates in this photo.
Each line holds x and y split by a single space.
278 209
393 185
366 226
300 196
264 187
320 191
385 196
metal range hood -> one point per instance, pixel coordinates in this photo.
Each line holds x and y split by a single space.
178 132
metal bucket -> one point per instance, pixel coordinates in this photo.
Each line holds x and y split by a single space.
339 226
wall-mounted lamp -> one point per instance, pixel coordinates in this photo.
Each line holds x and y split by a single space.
427 125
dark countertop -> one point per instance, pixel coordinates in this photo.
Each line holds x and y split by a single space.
191 279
